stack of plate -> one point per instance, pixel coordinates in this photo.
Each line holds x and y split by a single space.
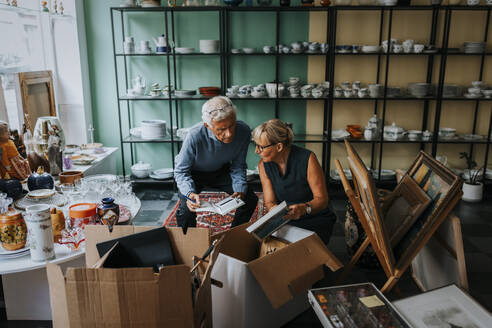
183 50
5 255
184 93
474 47
419 90
209 91
209 46
451 90
162 174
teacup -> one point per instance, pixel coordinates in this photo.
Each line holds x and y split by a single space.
347 93
296 45
286 50
338 92
397 48
427 134
356 85
268 49
294 80
472 2
362 93
305 44
418 48
355 48
478 84
474 91
384 47
324 47
345 85
414 134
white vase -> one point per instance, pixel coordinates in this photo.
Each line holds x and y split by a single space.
38 221
472 193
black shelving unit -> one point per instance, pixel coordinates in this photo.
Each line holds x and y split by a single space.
330 102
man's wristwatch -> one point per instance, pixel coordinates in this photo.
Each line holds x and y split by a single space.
308 209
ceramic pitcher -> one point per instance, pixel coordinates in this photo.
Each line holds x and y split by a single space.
40 232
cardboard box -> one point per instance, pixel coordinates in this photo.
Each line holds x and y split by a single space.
271 290
133 297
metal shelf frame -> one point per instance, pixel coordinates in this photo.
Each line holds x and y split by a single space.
330 102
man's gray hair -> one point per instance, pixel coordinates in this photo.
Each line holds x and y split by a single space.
217 109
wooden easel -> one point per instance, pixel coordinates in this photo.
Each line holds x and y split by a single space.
427 172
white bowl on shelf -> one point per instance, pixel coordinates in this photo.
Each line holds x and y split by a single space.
141 170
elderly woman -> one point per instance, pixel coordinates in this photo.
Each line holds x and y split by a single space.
293 174
213 157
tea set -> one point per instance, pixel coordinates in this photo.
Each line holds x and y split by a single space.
161 45
297 47
293 88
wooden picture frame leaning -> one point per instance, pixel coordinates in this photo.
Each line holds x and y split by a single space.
431 176
37 93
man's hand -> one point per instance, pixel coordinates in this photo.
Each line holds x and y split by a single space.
193 206
295 211
239 195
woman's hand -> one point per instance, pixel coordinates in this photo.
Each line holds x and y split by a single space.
193 205
295 211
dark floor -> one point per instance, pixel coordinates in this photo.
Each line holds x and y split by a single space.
476 220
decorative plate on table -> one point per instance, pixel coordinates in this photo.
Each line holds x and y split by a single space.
125 215
41 193
165 173
57 200
83 159
5 254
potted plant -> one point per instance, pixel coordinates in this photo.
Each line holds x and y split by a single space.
472 188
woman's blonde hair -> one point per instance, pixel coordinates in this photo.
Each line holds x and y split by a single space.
275 131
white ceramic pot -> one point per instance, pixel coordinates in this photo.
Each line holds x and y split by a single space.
153 129
38 221
472 193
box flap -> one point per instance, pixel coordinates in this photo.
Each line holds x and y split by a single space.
195 242
116 297
238 243
58 297
101 261
203 299
292 269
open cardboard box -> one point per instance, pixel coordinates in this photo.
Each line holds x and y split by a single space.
271 290
133 297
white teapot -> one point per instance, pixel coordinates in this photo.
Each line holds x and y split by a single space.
161 44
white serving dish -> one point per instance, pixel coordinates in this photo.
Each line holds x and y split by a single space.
153 129
141 170
369 49
249 50
183 50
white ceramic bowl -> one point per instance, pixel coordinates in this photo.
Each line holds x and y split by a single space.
487 93
371 48
141 170
249 50
153 129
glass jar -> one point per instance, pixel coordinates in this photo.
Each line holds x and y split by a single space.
82 214
13 230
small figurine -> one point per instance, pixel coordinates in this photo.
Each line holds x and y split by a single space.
55 7
14 3
12 165
44 7
61 8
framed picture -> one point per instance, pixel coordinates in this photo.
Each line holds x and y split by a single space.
442 260
269 223
444 307
408 201
444 189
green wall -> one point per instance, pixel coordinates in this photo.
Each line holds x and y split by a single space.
248 29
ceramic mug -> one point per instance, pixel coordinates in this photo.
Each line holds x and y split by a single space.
40 232
418 48
397 48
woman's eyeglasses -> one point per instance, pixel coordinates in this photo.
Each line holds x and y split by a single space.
262 148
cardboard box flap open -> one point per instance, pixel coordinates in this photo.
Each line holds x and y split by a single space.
195 242
203 297
292 269
58 294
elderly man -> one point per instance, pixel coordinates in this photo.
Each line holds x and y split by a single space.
213 157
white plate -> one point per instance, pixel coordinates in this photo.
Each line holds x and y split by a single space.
41 193
5 254
472 137
159 177
184 50
165 173
472 96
